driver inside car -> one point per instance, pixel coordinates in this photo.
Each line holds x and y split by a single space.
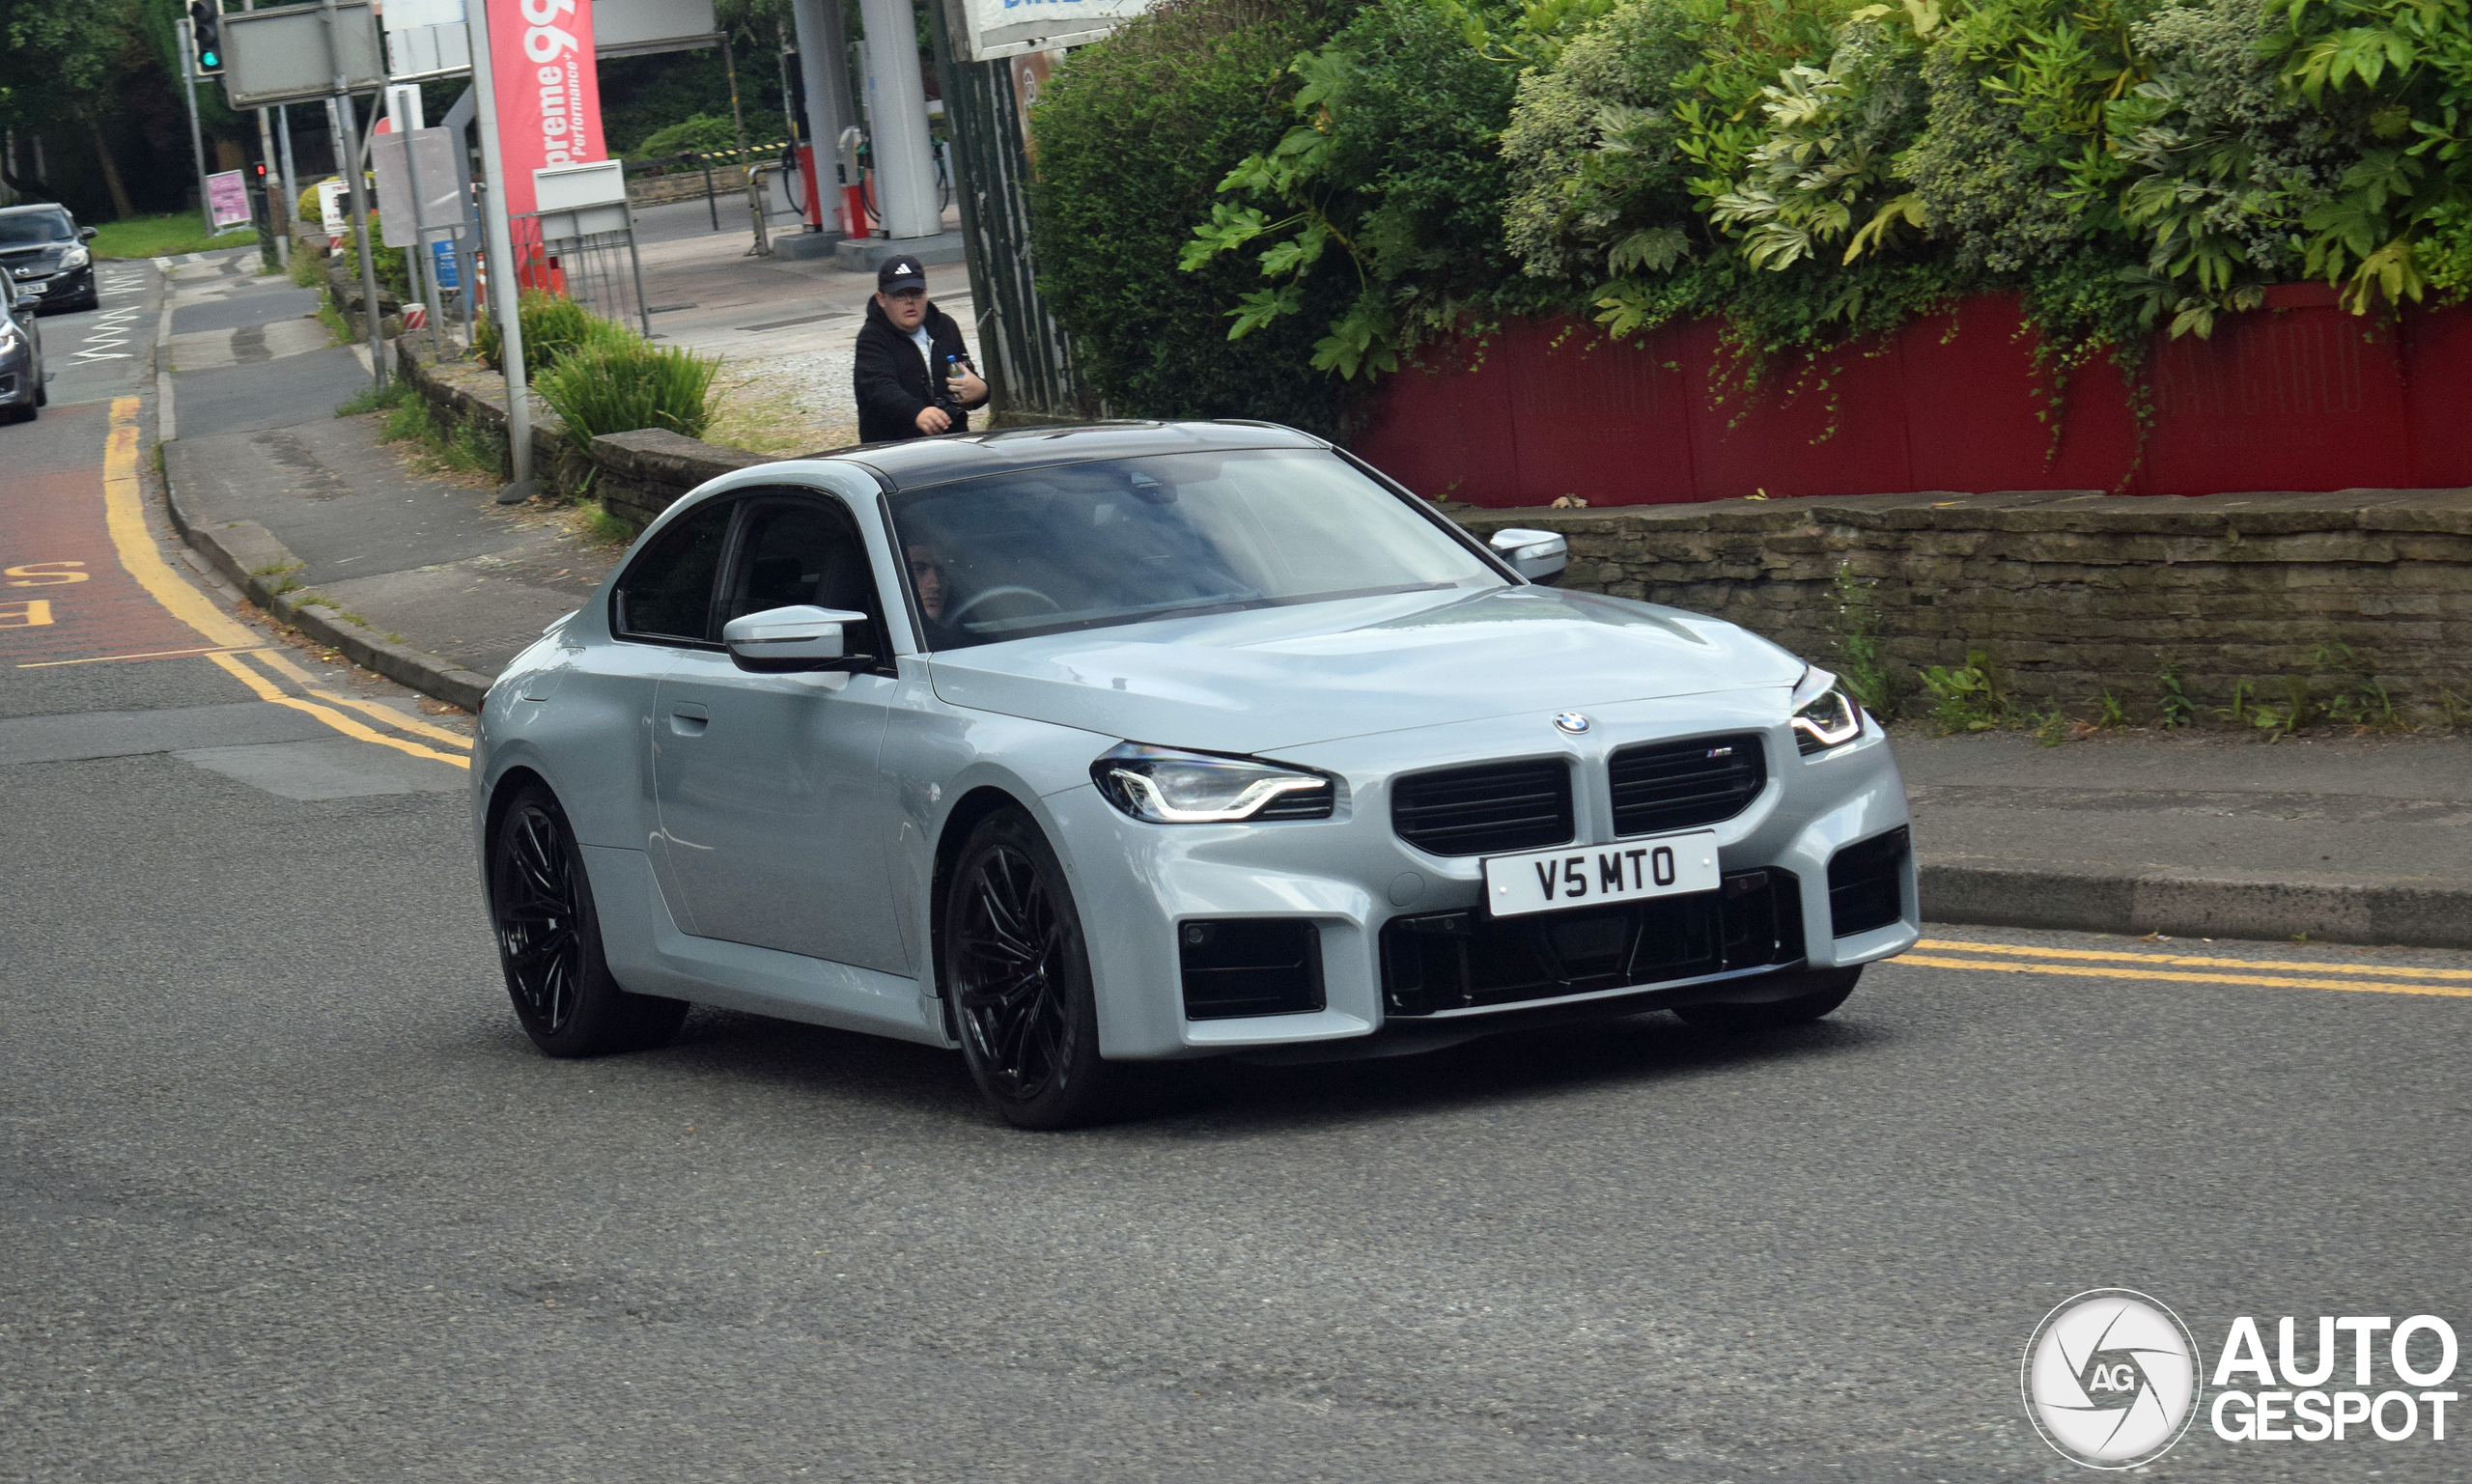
927 581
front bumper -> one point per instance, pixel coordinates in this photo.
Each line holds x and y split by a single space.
1371 897
51 290
18 378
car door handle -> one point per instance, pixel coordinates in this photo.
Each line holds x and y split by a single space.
688 720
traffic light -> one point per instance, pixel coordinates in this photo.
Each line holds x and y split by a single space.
206 36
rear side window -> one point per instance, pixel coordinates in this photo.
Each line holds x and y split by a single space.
667 593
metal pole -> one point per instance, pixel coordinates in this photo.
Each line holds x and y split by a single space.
279 222
737 118
504 297
291 181
706 157
643 306
406 124
197 138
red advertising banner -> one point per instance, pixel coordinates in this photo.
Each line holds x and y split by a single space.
548 93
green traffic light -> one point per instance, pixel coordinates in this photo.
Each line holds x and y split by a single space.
209 59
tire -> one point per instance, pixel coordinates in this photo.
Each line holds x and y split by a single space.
549 940
1017 974
1828 990
42 389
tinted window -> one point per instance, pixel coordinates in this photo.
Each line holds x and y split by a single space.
802 551
1128 540
35 227
668 593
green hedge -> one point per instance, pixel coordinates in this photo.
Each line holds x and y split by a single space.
1810 170
1134 134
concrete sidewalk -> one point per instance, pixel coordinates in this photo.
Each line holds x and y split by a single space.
2351 839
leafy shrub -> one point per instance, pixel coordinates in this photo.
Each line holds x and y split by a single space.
620 383
1393 163
553 326
704 133
394 269
1133 136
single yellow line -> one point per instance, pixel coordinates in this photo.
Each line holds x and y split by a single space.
156 654
267 691
2398 971
2258 982
385 714
124 515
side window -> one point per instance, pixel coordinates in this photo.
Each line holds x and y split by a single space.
668 593
802 550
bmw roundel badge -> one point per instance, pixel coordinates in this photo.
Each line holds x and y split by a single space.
1571 721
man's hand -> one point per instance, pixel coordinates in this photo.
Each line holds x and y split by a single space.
967 386
933 420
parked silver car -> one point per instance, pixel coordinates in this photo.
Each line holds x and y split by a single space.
1133 743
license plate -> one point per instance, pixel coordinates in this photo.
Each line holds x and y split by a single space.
41 287
1593 875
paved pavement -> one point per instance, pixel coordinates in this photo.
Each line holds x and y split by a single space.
430 561
287 1195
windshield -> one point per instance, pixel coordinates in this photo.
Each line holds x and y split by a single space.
35 227
1131 539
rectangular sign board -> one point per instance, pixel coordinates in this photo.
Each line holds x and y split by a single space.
441 208
1005 28
427 39
227 199
629 28
281 56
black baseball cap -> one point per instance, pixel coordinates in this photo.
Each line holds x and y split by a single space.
899 273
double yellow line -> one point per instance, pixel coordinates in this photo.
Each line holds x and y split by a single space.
459 747
2190 968
125 516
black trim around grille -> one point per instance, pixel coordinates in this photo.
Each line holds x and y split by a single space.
1485 809
1678 785
1450 960
1867 883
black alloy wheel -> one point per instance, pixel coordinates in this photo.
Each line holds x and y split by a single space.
1823 989
549 940
1018 975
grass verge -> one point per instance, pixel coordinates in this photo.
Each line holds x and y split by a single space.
161 236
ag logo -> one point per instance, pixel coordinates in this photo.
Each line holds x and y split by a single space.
2111 1379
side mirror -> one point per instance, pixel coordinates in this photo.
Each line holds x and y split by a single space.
85 233
797 637
1540 556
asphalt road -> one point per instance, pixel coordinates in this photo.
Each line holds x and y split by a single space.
285 1195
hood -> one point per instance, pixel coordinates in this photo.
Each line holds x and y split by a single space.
26 253
1278 678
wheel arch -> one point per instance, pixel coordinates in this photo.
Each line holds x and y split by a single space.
965 816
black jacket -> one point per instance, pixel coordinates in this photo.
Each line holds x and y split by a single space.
892 382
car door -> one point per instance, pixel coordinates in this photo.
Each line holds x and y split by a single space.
773 810
593 714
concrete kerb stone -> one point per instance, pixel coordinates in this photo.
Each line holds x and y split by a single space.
254 561
2195 907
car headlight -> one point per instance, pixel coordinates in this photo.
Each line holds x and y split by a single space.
1164 786
1825 716
9 339
75 258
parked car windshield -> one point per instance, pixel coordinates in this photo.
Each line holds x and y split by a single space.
35 227
1132 539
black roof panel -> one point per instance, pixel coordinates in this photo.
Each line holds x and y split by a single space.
920 461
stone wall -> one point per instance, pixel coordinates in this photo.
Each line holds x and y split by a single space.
2071 595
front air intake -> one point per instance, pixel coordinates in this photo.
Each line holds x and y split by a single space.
1681 785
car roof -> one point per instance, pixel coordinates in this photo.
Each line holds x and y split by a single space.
921 462
28 208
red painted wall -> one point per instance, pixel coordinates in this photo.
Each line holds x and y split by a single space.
2297 396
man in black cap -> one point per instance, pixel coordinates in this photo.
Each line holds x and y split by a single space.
914 375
